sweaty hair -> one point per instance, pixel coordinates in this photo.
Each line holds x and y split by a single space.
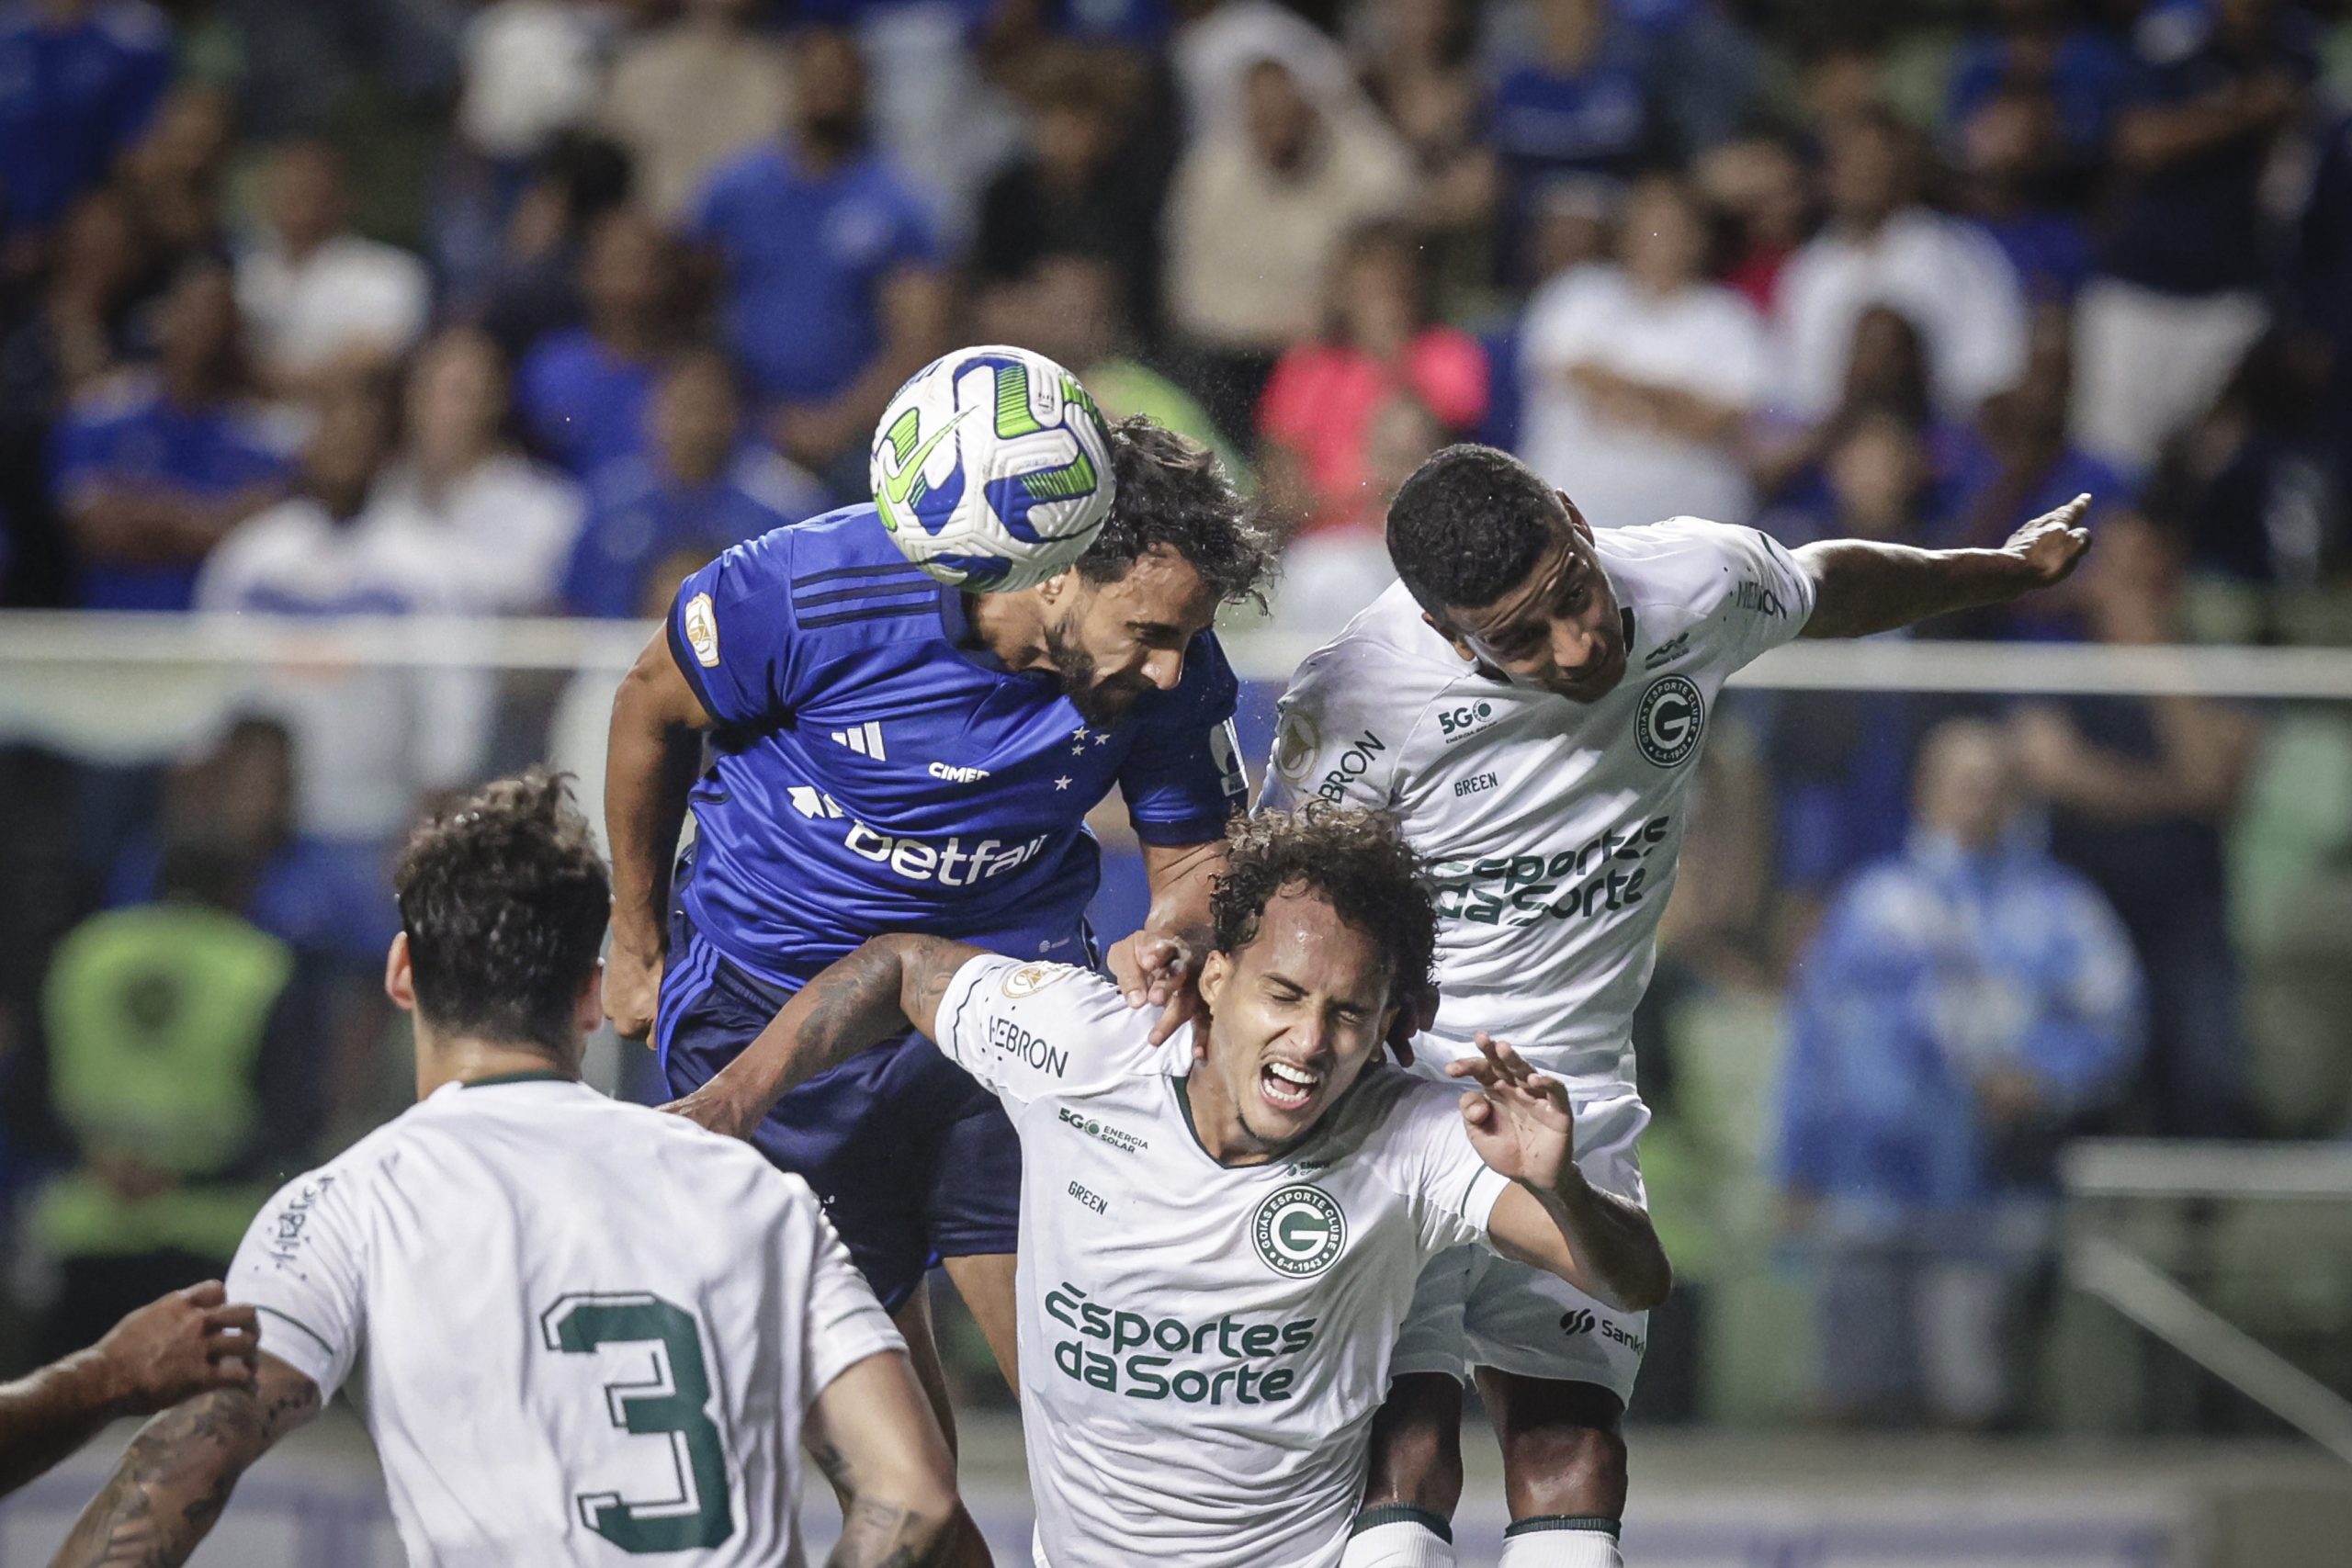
1172 492
1468 527
1353 858
504 900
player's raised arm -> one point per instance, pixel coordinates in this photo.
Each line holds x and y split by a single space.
1551 1217
1862 586
891 984
172 1481
650 764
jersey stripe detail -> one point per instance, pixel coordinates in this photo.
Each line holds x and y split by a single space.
880 612
890 569
874 591
297 1323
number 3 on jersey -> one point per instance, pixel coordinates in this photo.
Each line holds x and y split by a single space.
669 1403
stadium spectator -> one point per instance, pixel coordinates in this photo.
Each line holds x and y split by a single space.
1967 1001
75 329
1702 68
1417 59
2141 791
153 468
1258 210
697 487
1883 247
1330 575
319 298
79 82
2179 294
685 96
183 1066
1075 189
2042 48
1573 103
1886 372
1220 42
526 285
2023 191
500 526
582 392
370 740
172 176
1314 423
1637 377
1757 187
531 69
833 294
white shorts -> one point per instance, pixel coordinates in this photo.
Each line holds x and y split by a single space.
1473 1309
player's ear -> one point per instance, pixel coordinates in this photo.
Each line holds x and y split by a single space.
400 980
1215 970
1057 588
1576 518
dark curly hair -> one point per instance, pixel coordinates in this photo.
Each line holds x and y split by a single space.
1173 491
1354 858
1468 527
504 899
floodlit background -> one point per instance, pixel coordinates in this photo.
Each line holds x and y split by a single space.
343 347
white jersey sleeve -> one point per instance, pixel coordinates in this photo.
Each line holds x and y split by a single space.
1339 730
843 1323
1767 597
1028 1031
300 1267
1425 1154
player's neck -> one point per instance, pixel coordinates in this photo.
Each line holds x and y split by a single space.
1217 1124
461 1058
1010 626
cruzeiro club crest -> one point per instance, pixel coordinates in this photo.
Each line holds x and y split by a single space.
1667 722
1299 1231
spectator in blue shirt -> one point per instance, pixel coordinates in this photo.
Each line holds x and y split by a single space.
582 392
1575 106
834 292
79 80
1965 1004
2021 188
2042 46
153 468
697 488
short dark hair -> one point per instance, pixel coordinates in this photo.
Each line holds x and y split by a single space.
1354 858
505 898
1469 525
1172 492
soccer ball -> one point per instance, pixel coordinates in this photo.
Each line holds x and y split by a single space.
991 468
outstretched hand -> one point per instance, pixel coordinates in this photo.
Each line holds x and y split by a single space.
2053 543
1518 1117
1155 969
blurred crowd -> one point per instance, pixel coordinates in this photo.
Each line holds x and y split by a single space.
513 306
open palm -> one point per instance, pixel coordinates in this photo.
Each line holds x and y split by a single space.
1517 1118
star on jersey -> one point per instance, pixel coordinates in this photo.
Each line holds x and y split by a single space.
1062 782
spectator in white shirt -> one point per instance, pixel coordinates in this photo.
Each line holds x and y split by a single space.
315 294
1882 247
1638 375
370 740
501 527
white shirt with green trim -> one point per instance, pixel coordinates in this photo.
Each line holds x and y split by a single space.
588 1331
1553 826
1202 1347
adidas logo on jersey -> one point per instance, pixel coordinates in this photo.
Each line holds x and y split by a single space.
866 740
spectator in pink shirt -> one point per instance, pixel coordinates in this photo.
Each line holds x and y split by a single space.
1315 416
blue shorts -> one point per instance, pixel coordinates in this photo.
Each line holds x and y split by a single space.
913 1160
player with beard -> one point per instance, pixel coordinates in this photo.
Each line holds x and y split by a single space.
887 754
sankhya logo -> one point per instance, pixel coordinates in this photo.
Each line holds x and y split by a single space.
1667 722
1576 1321
1299 1231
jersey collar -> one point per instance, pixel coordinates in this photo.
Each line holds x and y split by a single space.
528 1075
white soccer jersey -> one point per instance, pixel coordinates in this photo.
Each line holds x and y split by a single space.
1202 1348
1553 826
588 1331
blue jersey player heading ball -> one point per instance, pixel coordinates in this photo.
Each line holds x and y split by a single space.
890 754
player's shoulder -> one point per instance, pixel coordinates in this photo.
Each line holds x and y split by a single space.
847 584
1384 659
1678 573
1067 1024
1388 1114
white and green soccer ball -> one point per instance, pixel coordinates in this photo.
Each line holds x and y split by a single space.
991 468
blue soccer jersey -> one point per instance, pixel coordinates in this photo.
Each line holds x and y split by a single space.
876 770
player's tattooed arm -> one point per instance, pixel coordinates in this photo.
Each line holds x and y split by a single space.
889 984
873 1434
1862 586
171 1483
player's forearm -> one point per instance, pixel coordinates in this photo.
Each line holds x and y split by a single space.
177 1475
649 767
1611 1250
48 1413
1181 879
881 1532
1861 587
